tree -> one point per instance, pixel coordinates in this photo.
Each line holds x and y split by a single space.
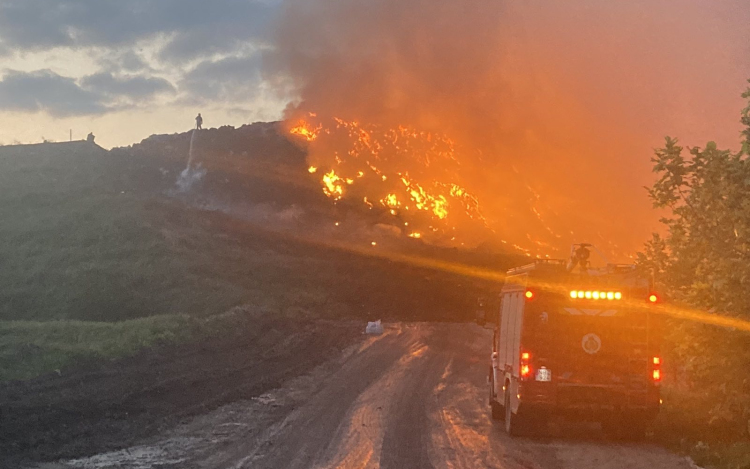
704 261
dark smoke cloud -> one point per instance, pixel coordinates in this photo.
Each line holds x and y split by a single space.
44 90
555 105
195 28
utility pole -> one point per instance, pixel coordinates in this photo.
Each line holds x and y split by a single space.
71 135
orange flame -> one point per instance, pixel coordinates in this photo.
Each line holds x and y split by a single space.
303 129
389 165
333 185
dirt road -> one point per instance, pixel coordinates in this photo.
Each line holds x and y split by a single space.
411 398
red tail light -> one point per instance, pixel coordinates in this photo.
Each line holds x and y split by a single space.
529 295
525 369
657 375
653 298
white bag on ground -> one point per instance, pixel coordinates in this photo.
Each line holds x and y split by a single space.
374 327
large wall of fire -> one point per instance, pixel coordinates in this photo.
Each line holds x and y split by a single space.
530 123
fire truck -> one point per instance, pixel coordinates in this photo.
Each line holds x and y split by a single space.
578 343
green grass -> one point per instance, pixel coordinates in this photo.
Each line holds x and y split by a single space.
31 348
74 246
92 269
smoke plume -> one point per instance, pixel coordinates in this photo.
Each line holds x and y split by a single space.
554 106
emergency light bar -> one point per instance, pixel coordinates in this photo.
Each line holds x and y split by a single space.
595 295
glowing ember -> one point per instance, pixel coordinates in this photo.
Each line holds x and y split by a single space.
415 235
312 169
391 200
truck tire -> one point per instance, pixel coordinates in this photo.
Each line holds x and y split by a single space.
515 425
498 411
525 424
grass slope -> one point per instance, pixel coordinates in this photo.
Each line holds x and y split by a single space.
80 247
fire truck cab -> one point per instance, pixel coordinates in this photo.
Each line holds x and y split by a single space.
579 345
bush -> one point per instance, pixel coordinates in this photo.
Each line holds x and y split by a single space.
703 262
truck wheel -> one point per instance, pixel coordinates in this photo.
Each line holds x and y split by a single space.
515 425
498 411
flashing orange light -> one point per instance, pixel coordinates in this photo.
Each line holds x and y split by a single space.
657 375
529 294
595 295
525 356
653 298
525 370
657 361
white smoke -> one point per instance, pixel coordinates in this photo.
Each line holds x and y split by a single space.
190 176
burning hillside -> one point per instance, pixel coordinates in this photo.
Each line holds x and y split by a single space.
414 175
505 120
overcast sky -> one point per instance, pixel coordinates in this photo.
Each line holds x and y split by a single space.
128 69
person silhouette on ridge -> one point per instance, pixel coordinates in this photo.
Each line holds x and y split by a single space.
199 122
